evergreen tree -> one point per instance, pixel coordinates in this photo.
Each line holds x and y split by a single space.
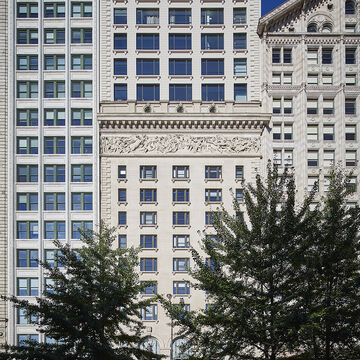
92 311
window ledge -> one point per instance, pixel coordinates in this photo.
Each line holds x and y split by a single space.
180 26
120 51
152 179
122 226
188 203
120 1
189 77
150 321
180 272
180 179
122 77
212 26
209 226
240 26
147 26
120 26
122 203
121 180
181 226
244 77
212 51
217 179
240 51
143 51
180 249
148 226
149 249
149 272
148 203
180 51
204 77
213 203
237 180
157 77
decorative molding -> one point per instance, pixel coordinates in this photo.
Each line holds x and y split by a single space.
173 144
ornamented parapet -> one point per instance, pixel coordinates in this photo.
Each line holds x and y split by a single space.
177 144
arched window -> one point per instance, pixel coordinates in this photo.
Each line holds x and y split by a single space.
151 344
312 28
349 7
327 28
179 350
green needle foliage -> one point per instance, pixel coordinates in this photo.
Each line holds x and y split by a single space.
92 311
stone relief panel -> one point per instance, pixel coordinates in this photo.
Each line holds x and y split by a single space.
173 144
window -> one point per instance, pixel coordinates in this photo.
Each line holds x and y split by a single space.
27 89
54 89
54 145
148 264
120 92
350 132
149 289
180 172
329 158
350 79
327 56
239 195
288 132
328 106
81 9
313 79
122 218
213 195
350 56
181 241
327 79
120 66
180 92
312 28
148 241
81 201
287 78
81 36
313 133
212 42
26 173
181 264
121 195
328 133
81 62
277 157
147 41
22 339
53 10
276 56
147 67
350 7
27 230
239 172
179 16
148 195
26 145
180 67
148 92
120 16
121 172
350 158
312 56
276 106
147 16
213 172
81 117
148 172
210 217
54 36
27 10
120 41
181 218
287 106
287 56
54 201
276 130
240 41
276 78
54 62
122 242
81 88
181 287
27 117
179 41
312 106
81 173
54 117
27 287
79 227
27 62
350 28
148 218
239 16
149 312
53 258
181 195
27 258
313 183
212 67
313 158
81 145
212 92
54 230
54 173
352 184
240 67
27 36
240 92
212 16
350 106
288 158
26 201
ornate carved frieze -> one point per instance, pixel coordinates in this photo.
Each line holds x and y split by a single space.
177 144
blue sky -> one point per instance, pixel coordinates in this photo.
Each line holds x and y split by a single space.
268 5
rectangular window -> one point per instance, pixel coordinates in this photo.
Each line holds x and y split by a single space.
239 195
276 56
328 133
81 9
327 56
147 16
27 62
350 158
313 56
212 92
53 258
240 42
350 56
277 157
239 16
27 230
54 10
212 16
148 92
148 172
120 92
179 16
81 88
26 173
27 117
276 106
148 264
240 92
149 289
81 62
27 89
54 230
81 201
350 132
239 172
81 36
312 106
181 218
26 145
27 36
122 242
287 78
276 78
213 172
81 173
27 258
276 130
180 92
288 158
26 201
148 195
312 133
120 66
181 195
22 339
213 195
122 172
212 42
313 158
350 28
80 228
180 172
327 79
147 41
181 287
181 241
147 67
54 36
287 106
180 67
179 41
54 201
149 312
120 16
210 217
81 117
27 287
240 67
350 106
54 62
313 183
81 145
350 79
287 56
288 132
122 195
54 89
27 10
148 218
328 106
212 66
54 117
329 158
352 184
313 79
122 218
54 145
148 241
120 41
181 264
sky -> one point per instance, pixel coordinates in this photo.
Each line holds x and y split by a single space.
268 5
